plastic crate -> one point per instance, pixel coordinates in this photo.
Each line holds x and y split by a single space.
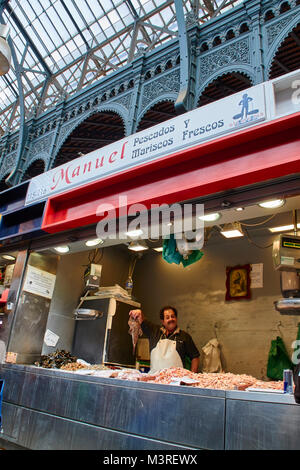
1 394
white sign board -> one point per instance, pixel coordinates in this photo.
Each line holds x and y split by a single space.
227 115
39 282
50 338
256 275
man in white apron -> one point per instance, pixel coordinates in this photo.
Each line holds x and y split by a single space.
169 345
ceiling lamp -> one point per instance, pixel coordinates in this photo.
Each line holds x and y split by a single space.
232 230
239 209
5 54
134 233
62 249
9 257
283 228
210 217
94 242
159 249
272 204
137 246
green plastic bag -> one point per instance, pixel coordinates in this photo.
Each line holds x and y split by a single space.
278 360
170 252
172 255
194 256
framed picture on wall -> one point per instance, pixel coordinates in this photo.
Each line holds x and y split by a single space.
238 282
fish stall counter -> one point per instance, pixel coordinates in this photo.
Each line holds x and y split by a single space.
55 409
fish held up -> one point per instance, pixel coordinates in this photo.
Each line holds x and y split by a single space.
135 331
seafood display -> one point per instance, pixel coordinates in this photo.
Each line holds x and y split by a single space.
55 360
175 376
72 366
135 331
99 367
214 380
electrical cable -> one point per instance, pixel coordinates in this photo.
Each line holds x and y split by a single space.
92 256
260 223
132 266
255 244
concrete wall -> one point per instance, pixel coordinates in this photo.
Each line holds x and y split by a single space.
70 284
244 328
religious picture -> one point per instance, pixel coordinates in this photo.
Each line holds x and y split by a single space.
238 282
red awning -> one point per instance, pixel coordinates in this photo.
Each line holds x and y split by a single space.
256 154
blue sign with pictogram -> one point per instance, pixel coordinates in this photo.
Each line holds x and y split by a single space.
246 114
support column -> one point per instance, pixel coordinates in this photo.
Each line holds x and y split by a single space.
59 118
183 95
137 71
253 8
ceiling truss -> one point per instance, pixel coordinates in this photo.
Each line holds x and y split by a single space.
63 46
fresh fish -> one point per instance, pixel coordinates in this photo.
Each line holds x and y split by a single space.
135 331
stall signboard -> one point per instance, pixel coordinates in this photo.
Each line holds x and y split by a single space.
227 115
50 338
256 275
39 282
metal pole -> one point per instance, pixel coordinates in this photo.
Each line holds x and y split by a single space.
295 221
181 101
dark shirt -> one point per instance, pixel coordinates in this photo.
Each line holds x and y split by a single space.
297 384
185 346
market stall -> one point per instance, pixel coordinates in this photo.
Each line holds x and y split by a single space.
71 367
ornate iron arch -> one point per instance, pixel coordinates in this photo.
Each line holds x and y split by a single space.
161 99
245 70
43 156
115 108
281 37
5 174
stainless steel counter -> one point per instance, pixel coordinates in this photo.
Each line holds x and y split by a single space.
51 409
48 409
262 421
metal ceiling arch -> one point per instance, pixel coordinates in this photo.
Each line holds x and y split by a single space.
160 112
64 46
3 185
287 57
223 86
99 129
35 168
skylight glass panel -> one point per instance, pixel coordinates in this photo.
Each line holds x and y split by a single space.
45 32
107 5
123 10
86 12
57 24
63 16
113 16
104 23
57 39
77 17
148 6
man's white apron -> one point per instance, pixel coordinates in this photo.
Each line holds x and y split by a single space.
164 355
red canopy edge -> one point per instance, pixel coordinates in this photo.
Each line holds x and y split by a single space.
262 152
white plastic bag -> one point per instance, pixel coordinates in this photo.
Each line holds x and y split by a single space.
212 359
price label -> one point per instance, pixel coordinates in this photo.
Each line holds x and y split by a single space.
11 357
